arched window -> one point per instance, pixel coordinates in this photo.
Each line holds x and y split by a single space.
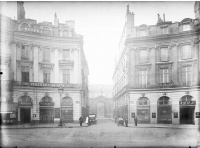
46 99
164 101
24 25
186 98
25 99
143 101
67 101
65 33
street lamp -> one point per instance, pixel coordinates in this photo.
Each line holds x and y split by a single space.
60 91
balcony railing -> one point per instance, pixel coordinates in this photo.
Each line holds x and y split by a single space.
39 84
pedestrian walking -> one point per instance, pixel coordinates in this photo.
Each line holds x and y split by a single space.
136 120
81 120
87 121
126 121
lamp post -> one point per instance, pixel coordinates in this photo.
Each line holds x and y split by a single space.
60 91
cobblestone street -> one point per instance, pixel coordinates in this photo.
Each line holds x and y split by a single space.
104 134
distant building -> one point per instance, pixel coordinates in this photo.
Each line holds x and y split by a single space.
36 60
157 72
100 100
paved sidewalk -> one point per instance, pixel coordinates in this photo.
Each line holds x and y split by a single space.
162 125
46 125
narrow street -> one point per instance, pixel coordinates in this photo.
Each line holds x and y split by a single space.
104 134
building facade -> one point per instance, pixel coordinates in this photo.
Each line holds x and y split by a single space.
100 100
157 72
36 60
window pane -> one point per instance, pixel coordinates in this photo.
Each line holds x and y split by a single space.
186 51
186 27
164 54
25 76
143 56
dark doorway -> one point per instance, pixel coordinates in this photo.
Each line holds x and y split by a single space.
187 115
25 115
46 115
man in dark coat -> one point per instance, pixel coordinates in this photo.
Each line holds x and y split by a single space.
126 121
135 119
81 120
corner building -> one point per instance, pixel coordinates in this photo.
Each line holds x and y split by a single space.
157 72
42 57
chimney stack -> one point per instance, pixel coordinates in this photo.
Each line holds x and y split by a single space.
20 10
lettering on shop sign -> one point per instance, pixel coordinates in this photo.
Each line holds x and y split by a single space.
197 114
21 103
46 66
187 102
42 31
66 62
153 115
46 103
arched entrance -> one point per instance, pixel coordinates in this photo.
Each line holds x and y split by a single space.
67 109
143 110
100 110
164 110
25 105
46 110
187 107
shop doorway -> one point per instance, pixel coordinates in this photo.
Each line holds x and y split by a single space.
25 115
187 108
143 110
187 115
46 115
164 110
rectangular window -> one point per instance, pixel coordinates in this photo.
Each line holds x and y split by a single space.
164 30
164 54
46 77
25 53
66 54
143 56
186 52
186 75
143 77
25 73
186 27
46 55
164 75
66 75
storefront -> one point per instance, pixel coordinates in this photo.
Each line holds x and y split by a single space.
164 110
143 110
67 110
46 110
25 106
187 108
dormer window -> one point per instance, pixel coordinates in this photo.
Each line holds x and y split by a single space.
143 32
186 27
164 30
66 33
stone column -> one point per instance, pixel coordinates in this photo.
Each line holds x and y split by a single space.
35 63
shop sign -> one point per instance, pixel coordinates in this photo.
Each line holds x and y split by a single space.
38 84
66 62
46 103
12 115
153 115
66 104
46 66
175 115
21 103
42 31
187 102
197 114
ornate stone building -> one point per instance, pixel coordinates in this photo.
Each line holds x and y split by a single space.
157 72
36 60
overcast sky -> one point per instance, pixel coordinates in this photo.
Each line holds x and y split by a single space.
101 24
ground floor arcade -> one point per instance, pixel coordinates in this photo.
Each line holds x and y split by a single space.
158 107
